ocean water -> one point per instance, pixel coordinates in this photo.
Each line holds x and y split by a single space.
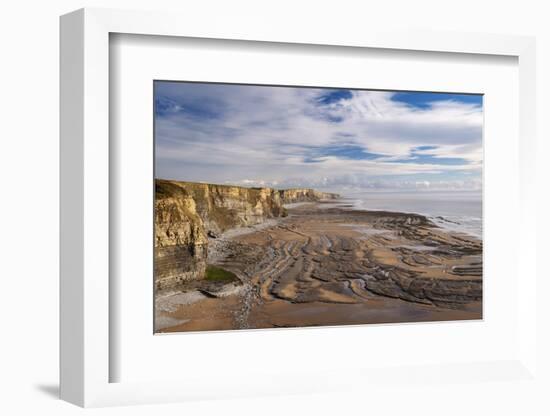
454 210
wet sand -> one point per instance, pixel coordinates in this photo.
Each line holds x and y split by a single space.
326 264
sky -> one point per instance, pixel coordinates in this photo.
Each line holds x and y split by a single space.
328 139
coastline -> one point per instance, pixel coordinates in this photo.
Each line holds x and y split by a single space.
329 264
456 211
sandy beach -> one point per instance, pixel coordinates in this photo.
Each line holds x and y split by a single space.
325 264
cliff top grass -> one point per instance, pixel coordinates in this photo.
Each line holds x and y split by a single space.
217 274
199 185
167 189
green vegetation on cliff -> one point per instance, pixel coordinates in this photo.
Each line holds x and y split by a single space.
217 274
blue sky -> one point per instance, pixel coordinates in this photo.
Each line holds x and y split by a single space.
334 139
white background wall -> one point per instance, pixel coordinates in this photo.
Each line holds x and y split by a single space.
29 198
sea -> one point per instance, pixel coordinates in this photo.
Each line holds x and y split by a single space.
459 211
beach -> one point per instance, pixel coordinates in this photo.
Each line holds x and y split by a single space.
330 263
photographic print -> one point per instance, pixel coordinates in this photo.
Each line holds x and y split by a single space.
282 207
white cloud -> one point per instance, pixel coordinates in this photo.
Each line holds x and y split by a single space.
263 135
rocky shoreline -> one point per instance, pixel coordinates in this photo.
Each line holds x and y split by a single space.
325 264
189 214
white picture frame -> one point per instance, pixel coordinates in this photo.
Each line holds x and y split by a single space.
85 206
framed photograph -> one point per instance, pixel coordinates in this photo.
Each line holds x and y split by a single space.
283 207
259 213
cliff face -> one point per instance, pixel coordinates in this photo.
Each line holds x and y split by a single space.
290 196
180 237
223 207
186 213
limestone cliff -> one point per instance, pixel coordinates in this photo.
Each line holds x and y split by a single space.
186 213
222 207
290 196
180 237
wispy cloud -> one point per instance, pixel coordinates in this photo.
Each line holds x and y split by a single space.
279 136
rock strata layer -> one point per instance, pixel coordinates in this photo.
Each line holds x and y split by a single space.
290 196
181 242
187 213
326 264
